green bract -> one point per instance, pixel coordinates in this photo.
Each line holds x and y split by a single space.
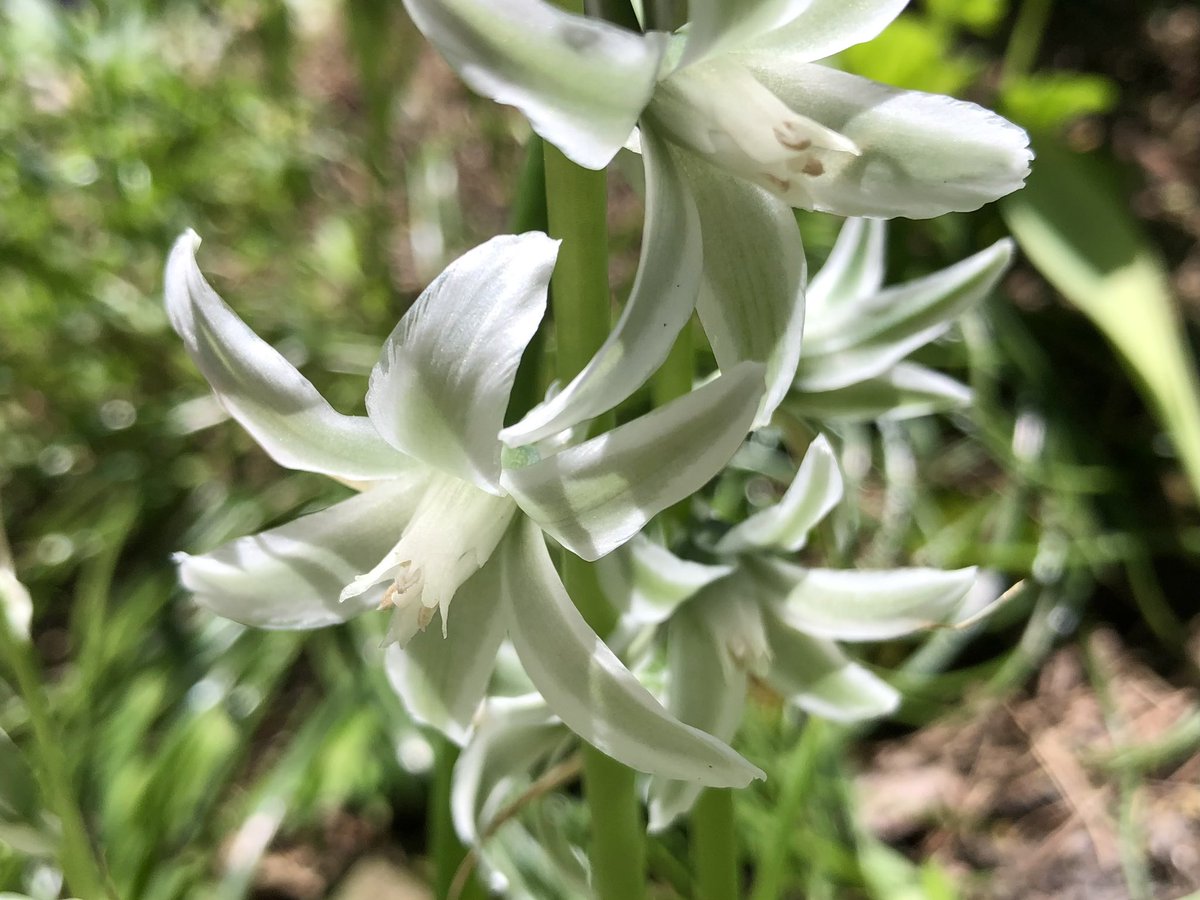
441 517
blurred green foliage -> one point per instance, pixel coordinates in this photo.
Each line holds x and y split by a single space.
271 129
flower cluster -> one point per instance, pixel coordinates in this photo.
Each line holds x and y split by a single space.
737 125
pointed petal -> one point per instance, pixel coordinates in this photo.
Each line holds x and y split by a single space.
827 27
291 576
581 82
590 689
859 605
921 155
659 306
817 677
854 270
443 679
865 338
594 497
752 296
441 386
700 694
261 389
816 489
719 25
905 391
647 582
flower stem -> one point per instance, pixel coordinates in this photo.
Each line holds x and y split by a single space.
444 847
576 203
714 846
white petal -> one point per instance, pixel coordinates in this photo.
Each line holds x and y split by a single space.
905 391
581 82
594 497
590 689
860 605
513 734
752 295
854 270
291 576
816 489
647 582
442 678
705 696
863 338
827 27
817 677
261 389
441 386
718 25
660 304
921 155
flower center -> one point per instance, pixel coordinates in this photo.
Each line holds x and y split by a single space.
721 111
451 534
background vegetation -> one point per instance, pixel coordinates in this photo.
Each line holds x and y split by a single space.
334 165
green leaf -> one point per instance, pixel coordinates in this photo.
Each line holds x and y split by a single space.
1079 235
1045 101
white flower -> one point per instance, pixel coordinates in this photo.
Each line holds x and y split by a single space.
857 333
444 516
759 615
737 125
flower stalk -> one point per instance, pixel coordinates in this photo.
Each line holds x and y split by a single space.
576 201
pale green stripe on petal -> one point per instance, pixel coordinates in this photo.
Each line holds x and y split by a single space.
816 676
443 679
647 582
659 306
718 25
581 82
854 269
442 383
707 696
262 390
816 489
827 27
752 294
589 688
864 605
594 497
905 391
921 155
290 577
865 337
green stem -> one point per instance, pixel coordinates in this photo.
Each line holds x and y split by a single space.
576 202
576 199
1026 38
618 847
79 864
799 771
714 846
444 847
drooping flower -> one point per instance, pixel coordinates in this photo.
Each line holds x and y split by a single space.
446 514
858 334
761 615
751 614
738 123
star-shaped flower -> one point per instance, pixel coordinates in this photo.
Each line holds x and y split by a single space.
738 123
446 514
